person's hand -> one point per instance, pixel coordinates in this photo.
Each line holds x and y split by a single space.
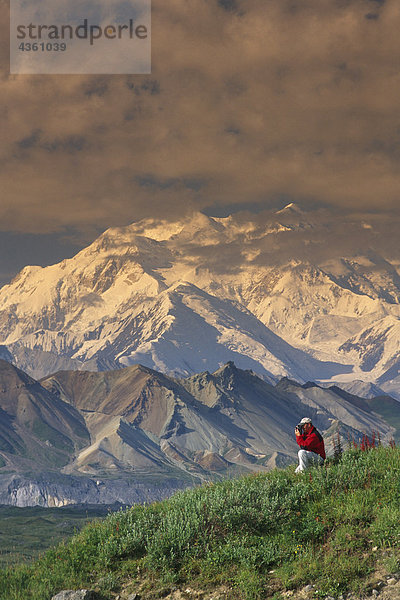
296 431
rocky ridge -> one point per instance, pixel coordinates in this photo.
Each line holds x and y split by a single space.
135 435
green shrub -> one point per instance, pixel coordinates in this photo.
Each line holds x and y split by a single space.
315 527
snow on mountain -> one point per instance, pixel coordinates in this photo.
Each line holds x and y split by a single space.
377 347
190 295
193 330
308 308
291 208
370 275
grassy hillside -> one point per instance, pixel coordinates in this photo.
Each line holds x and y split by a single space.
256 537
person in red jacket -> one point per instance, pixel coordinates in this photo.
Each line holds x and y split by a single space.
311 442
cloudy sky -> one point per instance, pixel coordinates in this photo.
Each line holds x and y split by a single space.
250 103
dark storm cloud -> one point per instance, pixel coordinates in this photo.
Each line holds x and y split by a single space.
229 5
247 102
30 141
16 250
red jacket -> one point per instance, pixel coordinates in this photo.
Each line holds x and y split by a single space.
312 441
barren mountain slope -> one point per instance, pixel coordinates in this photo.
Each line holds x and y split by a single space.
37 429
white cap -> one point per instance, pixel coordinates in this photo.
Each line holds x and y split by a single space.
305 420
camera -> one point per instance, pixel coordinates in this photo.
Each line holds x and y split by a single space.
300 428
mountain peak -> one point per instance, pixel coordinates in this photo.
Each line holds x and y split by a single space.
310 384
291 208
228 367
286 382
157 229
227 372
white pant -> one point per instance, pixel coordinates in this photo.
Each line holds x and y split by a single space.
308 459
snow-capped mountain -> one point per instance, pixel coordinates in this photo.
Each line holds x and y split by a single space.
281 293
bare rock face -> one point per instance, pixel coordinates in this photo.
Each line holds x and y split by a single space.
52 490
37 428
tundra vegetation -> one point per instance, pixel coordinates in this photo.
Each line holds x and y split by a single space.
257 536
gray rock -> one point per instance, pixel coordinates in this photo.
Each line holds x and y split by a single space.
379 585
308 588
75 595
133 597
50 489
391 581
375 593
